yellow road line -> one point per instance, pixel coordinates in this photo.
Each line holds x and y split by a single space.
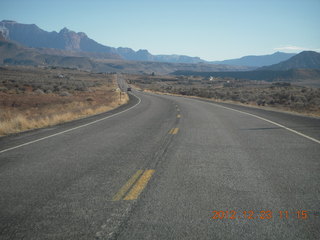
126 187
174 131
178 116
140 185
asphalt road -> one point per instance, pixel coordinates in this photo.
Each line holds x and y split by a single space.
159 168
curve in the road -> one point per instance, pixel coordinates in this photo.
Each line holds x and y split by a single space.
256 116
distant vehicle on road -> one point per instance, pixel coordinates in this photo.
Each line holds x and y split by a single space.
129 89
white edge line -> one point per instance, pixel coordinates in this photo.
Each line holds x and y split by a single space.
71 129
269 121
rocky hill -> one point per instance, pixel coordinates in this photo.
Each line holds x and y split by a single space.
14 54
304 60
31 35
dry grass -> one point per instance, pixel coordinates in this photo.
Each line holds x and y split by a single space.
29 109
12 123
273 96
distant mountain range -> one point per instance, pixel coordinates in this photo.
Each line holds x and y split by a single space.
258 61
31 35
27 44
303 66
12 53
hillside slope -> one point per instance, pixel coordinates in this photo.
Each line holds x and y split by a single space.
258 61
306 60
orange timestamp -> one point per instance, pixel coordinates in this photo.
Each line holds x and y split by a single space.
263 214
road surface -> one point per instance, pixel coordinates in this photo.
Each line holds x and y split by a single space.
164 167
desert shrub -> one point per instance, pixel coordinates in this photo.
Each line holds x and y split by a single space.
65 94
315 101
22 89
38 91
82 89
57 88
3 89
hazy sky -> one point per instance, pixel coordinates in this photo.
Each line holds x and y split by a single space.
210 29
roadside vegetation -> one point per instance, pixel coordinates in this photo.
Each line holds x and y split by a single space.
33 97
275 95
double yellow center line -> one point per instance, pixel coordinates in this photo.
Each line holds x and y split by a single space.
134 186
